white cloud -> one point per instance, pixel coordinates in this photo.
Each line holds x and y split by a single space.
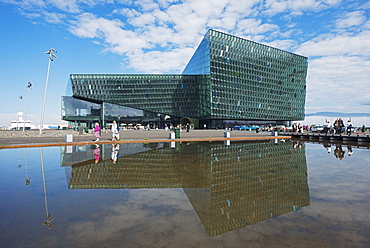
115 38
329 44
54 17
156 62
342 79
127 12
282 44
351 19
66 5
160 35
297 7
143 20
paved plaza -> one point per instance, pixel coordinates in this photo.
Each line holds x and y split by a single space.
59 136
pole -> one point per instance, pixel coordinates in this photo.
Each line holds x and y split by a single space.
20 106
51 58
29 86
43 105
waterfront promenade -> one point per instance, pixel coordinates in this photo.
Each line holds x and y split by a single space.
32 138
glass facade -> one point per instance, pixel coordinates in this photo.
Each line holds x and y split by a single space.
255 81
228 78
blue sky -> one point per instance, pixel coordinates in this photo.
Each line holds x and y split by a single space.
146 36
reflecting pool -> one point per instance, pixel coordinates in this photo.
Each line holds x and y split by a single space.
198 194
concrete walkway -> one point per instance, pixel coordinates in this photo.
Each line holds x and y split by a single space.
134 136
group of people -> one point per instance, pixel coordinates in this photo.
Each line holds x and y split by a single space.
338 127
186 127
115 137
114 129
297 128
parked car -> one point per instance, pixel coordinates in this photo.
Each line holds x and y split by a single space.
246 128
289 129
280 127
317 128
250 128
353 129
237 127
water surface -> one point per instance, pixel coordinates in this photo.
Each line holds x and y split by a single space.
203 194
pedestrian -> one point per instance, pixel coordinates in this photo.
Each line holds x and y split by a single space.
336 126
97 131
330 128
341 125
294 127
115 131
187 127
299 128
326 127
349 127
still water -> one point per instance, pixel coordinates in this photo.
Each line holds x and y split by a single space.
203 194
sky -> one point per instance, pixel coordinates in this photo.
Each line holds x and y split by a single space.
148 36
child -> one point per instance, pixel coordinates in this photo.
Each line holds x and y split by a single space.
97 131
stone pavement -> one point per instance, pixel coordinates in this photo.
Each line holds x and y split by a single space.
59 136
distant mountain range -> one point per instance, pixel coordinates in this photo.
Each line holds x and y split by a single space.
339 115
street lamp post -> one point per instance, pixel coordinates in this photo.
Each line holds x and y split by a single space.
51 58
18 114
29 86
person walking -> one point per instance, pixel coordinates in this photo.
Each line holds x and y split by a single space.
330 127
294 127
97 131
336 126
115 131
299 128
349 127
341 125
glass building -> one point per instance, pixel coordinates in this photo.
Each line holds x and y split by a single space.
229 80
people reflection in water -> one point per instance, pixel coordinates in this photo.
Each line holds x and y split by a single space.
350 151
115 151
327 147
297 145
96 154
338 152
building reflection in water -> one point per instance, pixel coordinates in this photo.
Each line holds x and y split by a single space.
229 186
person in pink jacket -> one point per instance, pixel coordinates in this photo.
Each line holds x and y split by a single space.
97 131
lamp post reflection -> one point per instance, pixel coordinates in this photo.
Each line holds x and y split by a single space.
48 216
19 166
28 179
